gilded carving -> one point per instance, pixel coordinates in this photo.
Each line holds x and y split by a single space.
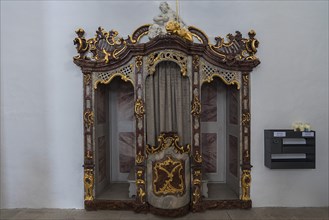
195 62
167 140
196 195
245 183
87 79
168 55
139 108
228 77
237 48
89 184
88 118
139 62
197 157
82 45
140 180
104 46
196 106
245 118
168 177
141 195
139 158
174 27
125 73
252 45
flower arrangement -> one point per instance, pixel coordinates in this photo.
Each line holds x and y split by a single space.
300 126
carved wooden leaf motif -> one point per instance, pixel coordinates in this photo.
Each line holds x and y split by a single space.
168 177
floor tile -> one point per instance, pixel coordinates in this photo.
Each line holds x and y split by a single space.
8 213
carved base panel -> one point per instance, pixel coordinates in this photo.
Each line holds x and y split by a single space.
172 212
226 204
110 205
144 208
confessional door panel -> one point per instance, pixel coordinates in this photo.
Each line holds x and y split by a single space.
233 139
121 130
213 130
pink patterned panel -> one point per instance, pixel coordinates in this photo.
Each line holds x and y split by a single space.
126 102
101 158
209 102
209 152
127 151
233 155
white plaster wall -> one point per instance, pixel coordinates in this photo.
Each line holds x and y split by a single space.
41 91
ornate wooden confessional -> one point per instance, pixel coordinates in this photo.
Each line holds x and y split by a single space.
130 161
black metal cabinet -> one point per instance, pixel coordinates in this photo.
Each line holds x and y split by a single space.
289 149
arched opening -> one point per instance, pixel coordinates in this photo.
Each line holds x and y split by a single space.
115 139
220 136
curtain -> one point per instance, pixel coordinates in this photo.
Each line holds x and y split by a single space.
168 103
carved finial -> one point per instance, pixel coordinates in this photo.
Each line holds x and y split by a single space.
252 45
82 45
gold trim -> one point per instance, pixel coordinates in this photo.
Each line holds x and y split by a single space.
245 118
196 195
168 140
173 27
139 158
202 32
123 76
197 37
141 195
197 157
140 35
176 169
139 108
245 183
139 180
211 78
196 107
139 62
168 55
88 118
219 54
86 78
89 184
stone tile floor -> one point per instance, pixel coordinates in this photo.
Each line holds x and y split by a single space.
253 214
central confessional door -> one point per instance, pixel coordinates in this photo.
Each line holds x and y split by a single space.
168 137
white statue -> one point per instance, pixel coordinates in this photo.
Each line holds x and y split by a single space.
160 21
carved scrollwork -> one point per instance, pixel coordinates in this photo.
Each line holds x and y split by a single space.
237 48
196 195
139 108
88 118
139 62
81 44
245 183
252 45
168 55
168 177
141 195
105 46
167 140
228 77
87 79
197 157
125 73
89 184
245 118
139 158
196 106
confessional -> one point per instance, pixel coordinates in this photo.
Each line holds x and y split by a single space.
166 120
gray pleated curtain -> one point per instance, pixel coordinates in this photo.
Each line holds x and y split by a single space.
167 103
